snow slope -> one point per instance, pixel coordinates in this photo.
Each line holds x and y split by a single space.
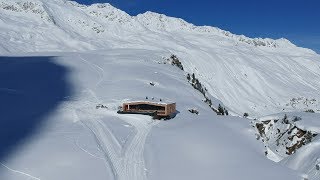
258 76
306 160
78 141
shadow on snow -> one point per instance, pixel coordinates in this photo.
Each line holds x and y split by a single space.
30 88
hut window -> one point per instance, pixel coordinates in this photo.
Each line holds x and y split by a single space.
147 107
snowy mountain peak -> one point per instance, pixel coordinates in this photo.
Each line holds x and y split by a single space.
97 6
19 7
104 12
161 22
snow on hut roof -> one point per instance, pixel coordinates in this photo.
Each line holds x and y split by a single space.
150 100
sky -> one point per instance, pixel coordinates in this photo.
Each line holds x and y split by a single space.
296 20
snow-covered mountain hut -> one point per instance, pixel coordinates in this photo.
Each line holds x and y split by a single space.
161 109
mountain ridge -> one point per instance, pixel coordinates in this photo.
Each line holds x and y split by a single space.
148 20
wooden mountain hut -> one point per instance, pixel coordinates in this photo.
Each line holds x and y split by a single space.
160 109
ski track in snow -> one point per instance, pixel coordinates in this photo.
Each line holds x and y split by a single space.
126 163
98 69
19 172
86 151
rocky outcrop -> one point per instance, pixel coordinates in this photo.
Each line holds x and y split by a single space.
283 136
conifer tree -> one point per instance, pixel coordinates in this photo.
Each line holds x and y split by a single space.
220 109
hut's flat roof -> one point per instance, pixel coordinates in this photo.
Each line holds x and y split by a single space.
147 101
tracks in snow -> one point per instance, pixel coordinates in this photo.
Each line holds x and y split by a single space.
97 68
126 163
20 172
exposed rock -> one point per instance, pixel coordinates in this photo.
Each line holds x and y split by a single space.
282 136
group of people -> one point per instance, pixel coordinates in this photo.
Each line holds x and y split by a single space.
152 98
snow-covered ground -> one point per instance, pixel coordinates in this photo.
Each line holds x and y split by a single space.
60 59
78 141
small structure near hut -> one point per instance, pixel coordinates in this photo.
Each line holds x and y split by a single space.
156 109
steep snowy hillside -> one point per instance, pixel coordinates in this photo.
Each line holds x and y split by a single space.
77 140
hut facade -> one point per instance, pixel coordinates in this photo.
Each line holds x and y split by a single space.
161 109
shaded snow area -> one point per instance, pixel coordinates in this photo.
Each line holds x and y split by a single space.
66 68
76 140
